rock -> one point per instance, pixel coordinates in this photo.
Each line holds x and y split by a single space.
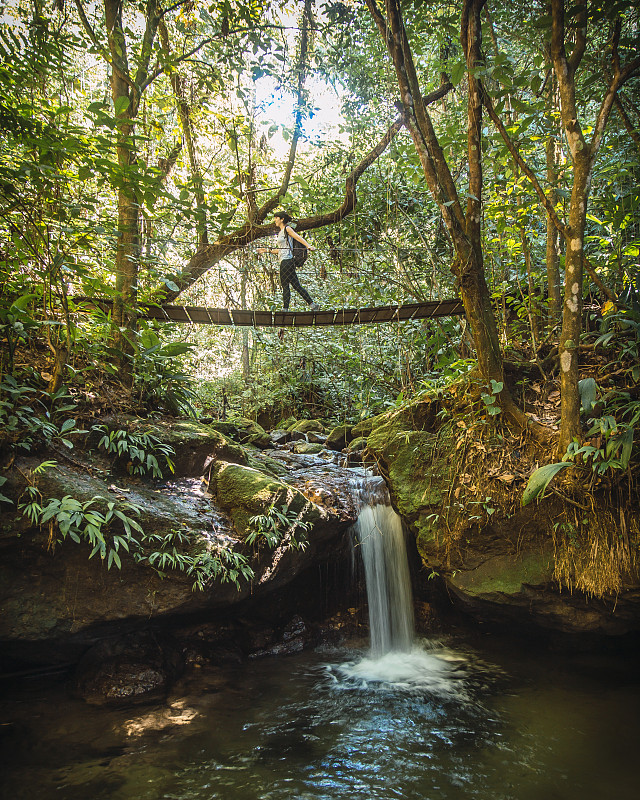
357 445
496 567
338 437
306 426
246 492
244 431
365 426
280 436
193 442
297 436
287 424
136 667
316 438
308 448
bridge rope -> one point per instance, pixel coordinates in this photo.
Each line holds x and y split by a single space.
203 315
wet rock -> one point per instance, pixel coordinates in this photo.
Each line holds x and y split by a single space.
338 437
316 438
246 492
307 426
244 431
297 436
307 448
280 436
137 667
295 637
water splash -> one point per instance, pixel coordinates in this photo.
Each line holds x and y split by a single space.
395 660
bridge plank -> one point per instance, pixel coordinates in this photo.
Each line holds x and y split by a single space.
200 315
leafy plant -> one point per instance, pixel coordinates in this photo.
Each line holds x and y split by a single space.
277 524
159 378
166 552
84 521
25 418
540 479
143 452
489 399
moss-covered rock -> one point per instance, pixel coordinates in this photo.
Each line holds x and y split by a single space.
245 492
308 448
338 437
503 575
194 442
306 426
244 431
286 424
365 426
357 445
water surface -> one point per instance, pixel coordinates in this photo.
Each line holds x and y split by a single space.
447 720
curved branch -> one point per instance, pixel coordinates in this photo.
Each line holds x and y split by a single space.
544 199
209 255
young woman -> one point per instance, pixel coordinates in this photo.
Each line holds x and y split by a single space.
288 274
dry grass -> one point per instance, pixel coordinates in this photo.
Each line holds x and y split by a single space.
596 553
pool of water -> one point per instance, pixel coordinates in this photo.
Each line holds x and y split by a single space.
484 720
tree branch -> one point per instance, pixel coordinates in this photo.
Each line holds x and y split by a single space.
104 52
209 255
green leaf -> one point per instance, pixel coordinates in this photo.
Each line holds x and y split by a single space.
121 105
540 479
588 389
627 447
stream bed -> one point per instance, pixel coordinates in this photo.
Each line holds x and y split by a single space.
460 718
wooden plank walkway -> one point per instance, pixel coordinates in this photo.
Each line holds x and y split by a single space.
199 315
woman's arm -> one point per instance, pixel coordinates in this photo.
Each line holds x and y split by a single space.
297 236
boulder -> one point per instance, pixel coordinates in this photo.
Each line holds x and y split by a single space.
338 437
280 436
244 431
308 448
306 426
136 667
246 492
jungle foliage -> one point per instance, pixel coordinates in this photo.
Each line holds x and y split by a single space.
480 148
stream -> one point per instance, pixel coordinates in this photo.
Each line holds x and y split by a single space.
485 719
465 716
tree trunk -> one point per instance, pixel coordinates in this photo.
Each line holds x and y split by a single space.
553 153
572 308
128 247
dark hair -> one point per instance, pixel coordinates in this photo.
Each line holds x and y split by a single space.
286 218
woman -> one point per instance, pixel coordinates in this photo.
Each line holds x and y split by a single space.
288 275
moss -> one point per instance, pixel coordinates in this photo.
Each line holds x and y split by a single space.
505 574
286 424
338 437
244 431
357 445
307 426
246 492
308 448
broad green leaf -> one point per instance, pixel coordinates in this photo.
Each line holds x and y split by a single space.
540 479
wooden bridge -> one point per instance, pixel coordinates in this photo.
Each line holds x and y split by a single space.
200 315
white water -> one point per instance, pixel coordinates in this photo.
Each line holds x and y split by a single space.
395 659
384 555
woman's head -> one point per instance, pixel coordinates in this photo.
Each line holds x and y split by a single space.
283 217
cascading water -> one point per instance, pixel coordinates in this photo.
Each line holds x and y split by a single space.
395 659
381 541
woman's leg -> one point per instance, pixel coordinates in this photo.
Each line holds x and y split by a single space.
286 267
295 284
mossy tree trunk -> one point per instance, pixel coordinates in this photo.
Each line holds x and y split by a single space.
464 225
583 154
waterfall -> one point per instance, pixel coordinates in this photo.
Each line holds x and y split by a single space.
381 541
